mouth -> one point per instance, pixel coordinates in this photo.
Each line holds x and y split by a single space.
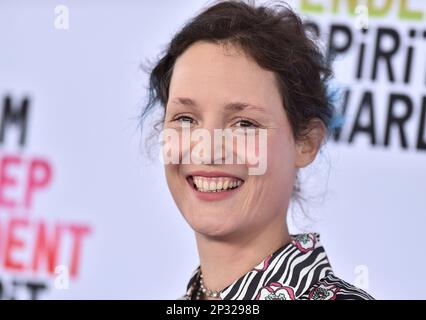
214 184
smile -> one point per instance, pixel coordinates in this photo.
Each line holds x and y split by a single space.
215 184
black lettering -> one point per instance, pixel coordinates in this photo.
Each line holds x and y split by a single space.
380 53
421 139
409 59
333 49
367 105
399 122
361 57
17 116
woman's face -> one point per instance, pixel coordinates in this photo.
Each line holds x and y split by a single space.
206 78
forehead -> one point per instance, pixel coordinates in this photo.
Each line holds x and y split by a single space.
217 71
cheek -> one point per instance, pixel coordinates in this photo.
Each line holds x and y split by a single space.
281 160
172 175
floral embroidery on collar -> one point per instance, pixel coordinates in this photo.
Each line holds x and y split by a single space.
275 291
323 292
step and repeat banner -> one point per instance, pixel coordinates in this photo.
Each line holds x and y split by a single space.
85 214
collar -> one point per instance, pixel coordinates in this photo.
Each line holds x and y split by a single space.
286 274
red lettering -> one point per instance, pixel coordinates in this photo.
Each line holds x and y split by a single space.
39 176
77 232
7 181
14 243
46 249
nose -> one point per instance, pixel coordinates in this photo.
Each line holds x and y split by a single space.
214 151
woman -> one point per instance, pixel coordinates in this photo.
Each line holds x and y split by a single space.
237 66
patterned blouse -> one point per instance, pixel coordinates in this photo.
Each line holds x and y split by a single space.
298 270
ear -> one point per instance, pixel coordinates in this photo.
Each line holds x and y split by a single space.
309 144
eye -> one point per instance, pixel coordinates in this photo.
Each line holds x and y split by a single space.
244 123
184 119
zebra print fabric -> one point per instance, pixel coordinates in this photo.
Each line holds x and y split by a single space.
298 270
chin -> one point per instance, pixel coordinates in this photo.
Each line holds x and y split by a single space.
212 223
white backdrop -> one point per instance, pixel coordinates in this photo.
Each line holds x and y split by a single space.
105 212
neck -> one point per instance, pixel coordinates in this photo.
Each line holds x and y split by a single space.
223 261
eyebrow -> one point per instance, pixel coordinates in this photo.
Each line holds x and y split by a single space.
232 106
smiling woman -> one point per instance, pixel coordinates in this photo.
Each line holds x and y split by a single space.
237 65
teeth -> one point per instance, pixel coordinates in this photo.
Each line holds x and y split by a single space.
215 184
225 185
219 185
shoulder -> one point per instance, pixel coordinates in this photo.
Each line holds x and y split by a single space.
333 288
